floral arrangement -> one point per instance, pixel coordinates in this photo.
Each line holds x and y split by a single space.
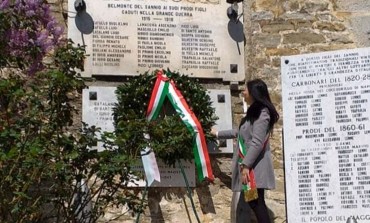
170 139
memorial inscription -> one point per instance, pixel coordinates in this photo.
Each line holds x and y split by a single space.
131 37
108 45
327 141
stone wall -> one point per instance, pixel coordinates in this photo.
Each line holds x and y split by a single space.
273 28
276 28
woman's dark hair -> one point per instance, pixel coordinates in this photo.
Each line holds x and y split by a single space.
259 92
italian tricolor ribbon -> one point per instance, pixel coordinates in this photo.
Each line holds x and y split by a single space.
242 153
165 87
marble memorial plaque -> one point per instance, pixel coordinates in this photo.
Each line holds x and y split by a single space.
221 101
170 176
127 37
326 108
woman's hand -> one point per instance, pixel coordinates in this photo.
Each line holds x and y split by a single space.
214 132
244 172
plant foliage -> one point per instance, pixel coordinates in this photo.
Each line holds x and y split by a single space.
47 171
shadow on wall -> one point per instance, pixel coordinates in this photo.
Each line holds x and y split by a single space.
84 23
236 32
164 213
83 20
225 178
205 199
158 215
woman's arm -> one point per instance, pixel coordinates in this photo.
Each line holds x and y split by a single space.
259 133
226 134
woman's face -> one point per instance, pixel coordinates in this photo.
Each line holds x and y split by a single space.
247 97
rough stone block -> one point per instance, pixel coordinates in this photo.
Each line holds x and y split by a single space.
303 38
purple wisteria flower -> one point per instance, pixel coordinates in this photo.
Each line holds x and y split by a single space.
4 4
29 32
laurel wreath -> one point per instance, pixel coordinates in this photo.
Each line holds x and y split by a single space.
169 137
